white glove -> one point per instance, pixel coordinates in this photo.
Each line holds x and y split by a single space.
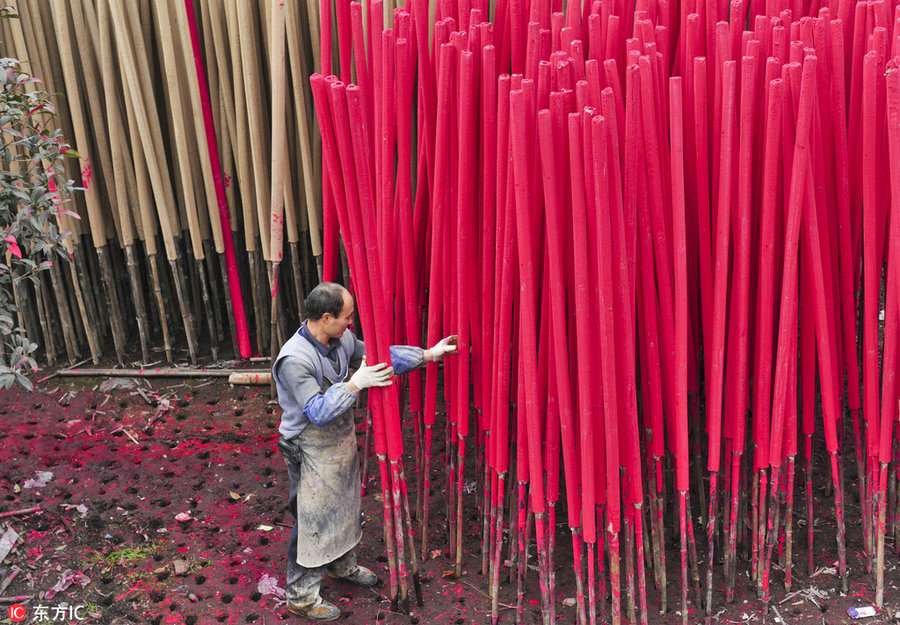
366 377
447 345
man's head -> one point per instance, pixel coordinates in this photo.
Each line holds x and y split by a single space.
329 310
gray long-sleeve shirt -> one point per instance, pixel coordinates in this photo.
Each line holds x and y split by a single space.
299 369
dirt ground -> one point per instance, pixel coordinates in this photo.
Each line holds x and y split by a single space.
162 501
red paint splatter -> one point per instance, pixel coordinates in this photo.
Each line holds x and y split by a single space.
86 174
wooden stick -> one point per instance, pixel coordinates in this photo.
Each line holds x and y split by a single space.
159 373
20 512
279 147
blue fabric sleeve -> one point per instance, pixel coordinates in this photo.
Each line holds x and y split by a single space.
405 358
326 407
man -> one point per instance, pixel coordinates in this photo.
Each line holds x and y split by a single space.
318 442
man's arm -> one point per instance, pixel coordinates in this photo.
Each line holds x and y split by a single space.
406 358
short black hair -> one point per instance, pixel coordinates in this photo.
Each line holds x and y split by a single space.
326 297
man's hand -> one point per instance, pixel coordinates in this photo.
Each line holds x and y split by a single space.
445 346
366 377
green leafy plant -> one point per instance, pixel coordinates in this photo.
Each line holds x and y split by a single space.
34 193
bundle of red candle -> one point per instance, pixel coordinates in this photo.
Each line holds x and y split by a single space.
646 224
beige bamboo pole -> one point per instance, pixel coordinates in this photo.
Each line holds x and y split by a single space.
173 57
44 36
123 167
246 179
211 219
241 144
263 14
44 314
136 71
278 73
294 217
139 180
91 322
215 15
6 47
298 258
98 233
101 168
38 60
148 219
299 73
255 96
92 82
204 184
222 103
162 104
214 74
313 19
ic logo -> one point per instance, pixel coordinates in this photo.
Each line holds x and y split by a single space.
17 612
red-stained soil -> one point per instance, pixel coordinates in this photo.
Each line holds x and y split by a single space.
125 463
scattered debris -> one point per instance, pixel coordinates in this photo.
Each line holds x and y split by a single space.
265 528
569 602
182 567
268 585
68 578
15 572
7 542
43 477
862 611
183 517
827 570
131 436
144 396
81 508
116 383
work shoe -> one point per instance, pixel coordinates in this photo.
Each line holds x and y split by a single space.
320 611
361 576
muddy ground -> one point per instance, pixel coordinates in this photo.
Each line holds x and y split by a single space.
166 505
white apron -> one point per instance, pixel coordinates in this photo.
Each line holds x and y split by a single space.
328 495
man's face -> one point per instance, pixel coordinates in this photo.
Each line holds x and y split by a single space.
335 326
